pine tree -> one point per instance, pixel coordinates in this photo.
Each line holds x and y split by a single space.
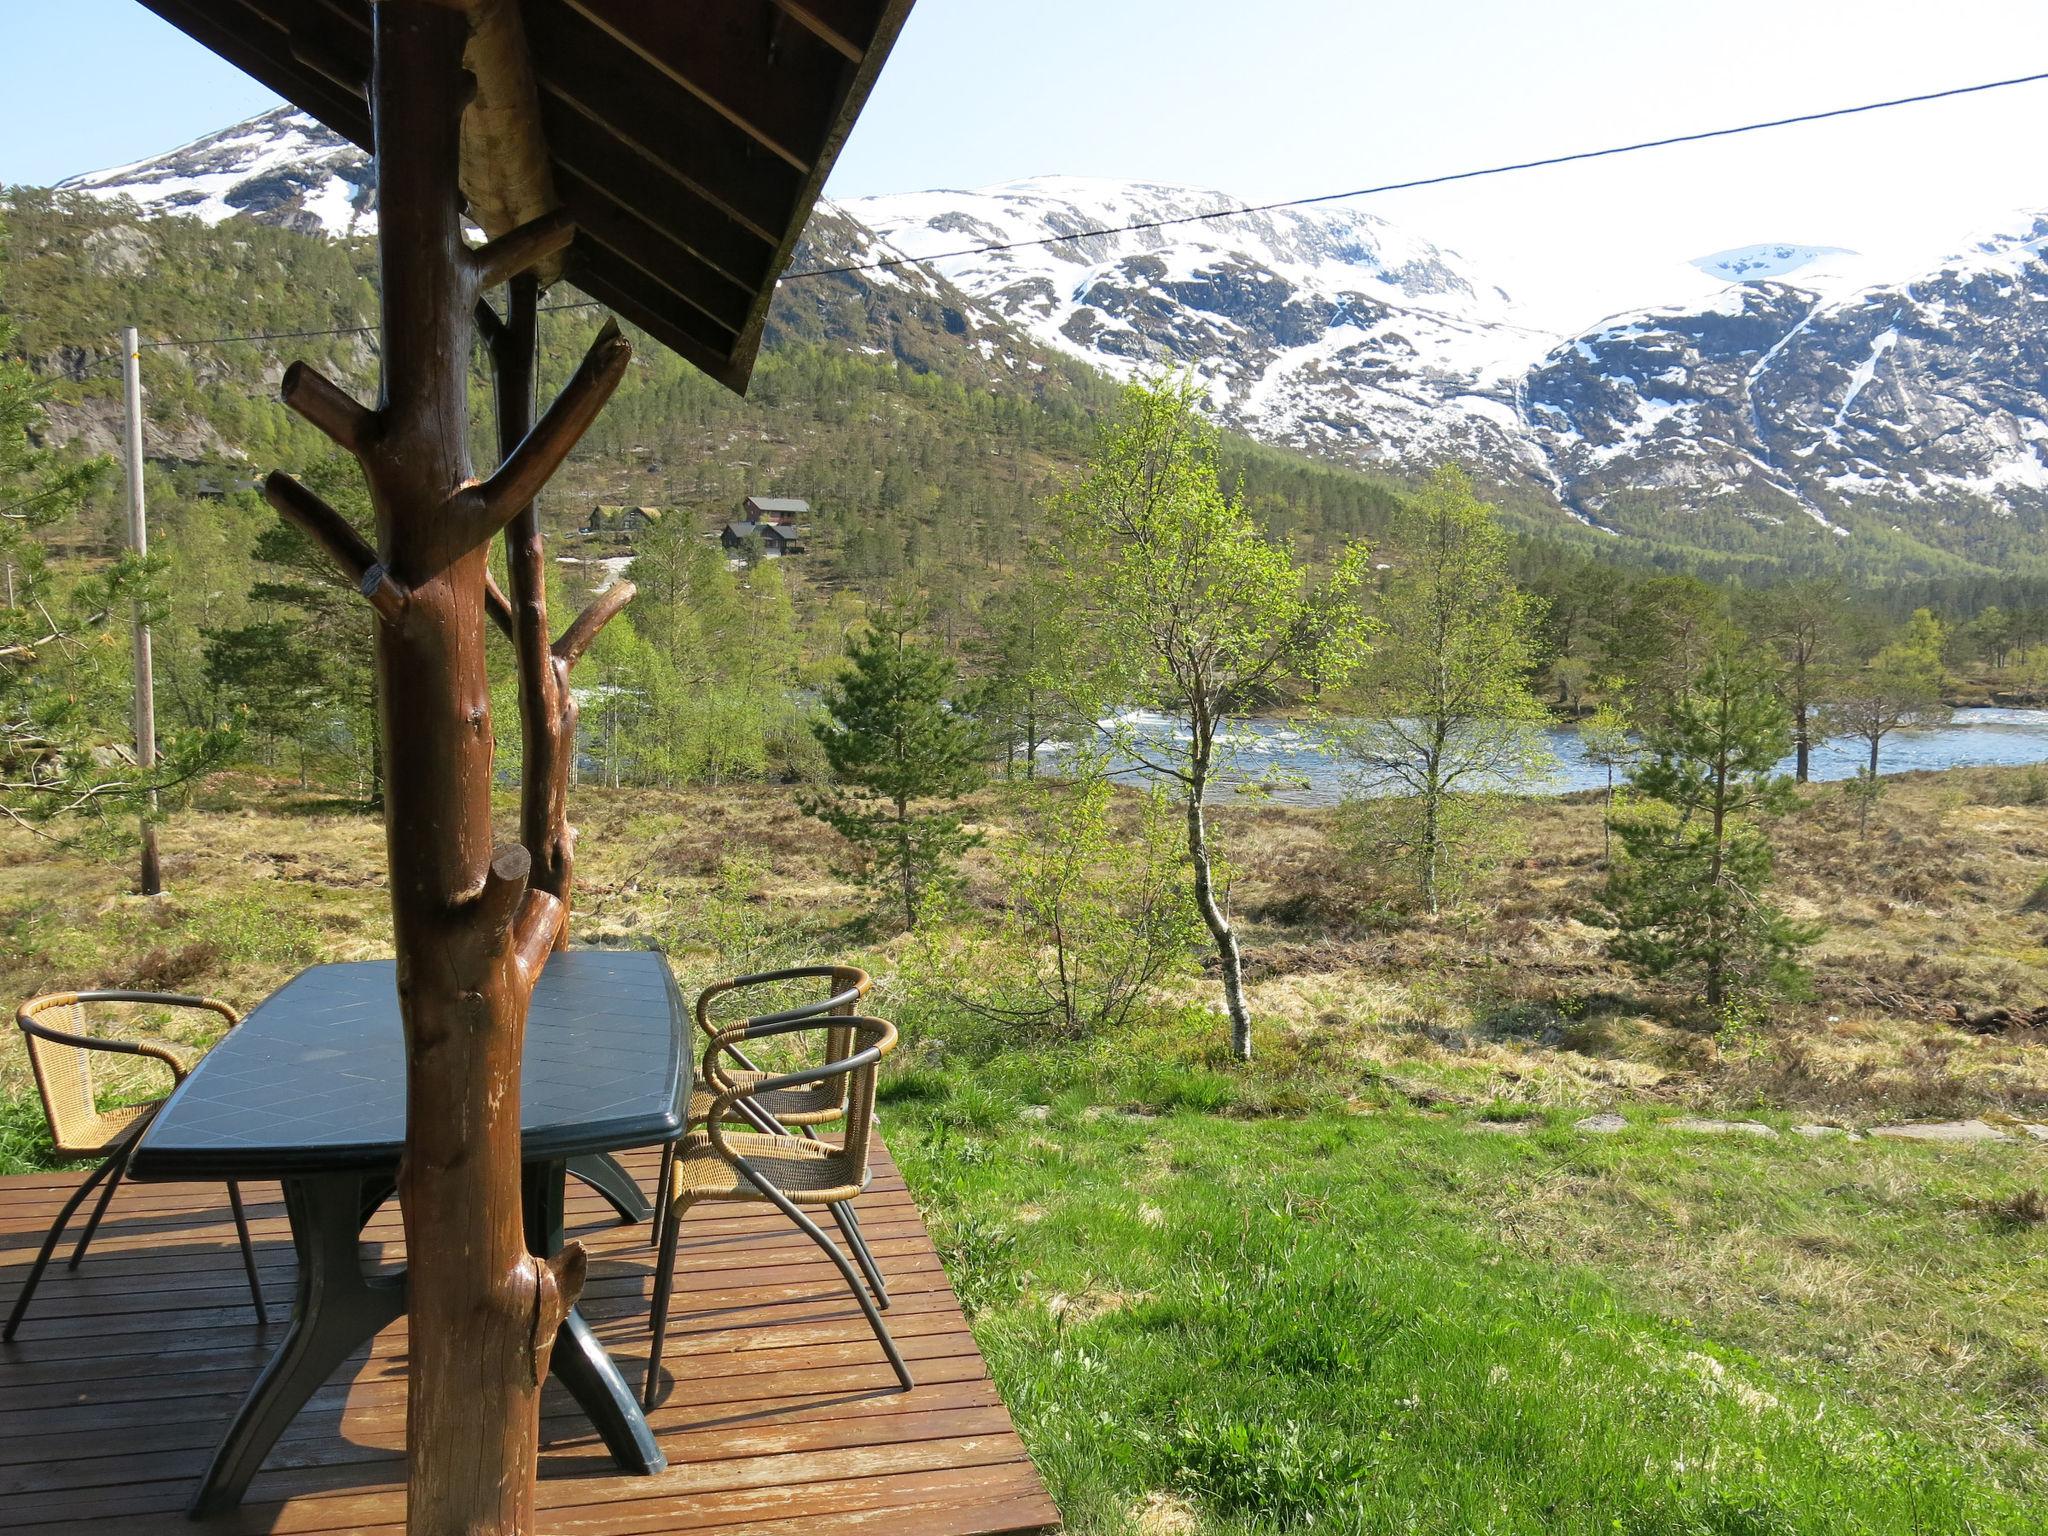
1028 649
1807 623
1659 638
305 673
1686 898
66 679
905 757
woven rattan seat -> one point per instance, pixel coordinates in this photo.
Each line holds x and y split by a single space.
62 1049
720 1165
809 1172
786 1107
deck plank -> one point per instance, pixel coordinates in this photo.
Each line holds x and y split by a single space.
778 1412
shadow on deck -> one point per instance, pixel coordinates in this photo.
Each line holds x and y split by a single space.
779 1412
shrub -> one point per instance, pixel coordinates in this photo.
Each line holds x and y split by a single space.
1098 911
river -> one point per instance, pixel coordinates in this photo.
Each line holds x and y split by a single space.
1290 759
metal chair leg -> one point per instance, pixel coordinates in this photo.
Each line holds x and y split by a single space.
849 1228
117 1165
860 1292
664 1281
50 1241
663 1182
248 1253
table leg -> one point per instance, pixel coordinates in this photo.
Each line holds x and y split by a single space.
607 1175
336 1309
581 1363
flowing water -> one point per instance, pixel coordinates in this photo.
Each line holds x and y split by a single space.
1297 766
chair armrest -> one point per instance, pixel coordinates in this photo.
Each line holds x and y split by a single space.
877 1037
844 998
178 1059
183 1057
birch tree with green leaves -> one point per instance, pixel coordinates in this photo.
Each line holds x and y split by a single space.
1447 713
1194 611
1607 738
1899 687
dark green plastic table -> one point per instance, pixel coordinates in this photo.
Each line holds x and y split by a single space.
309 1089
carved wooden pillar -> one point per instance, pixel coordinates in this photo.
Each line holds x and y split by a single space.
471 928
547 707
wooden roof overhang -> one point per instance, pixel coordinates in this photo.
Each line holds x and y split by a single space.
686 139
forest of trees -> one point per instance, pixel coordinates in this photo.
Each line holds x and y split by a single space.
973 559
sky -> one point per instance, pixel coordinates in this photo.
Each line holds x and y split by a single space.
1298 97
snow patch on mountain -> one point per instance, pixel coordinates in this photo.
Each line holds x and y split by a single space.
1326 328
1753 263
282 167
1772 379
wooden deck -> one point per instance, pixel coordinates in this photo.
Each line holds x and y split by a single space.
780 1414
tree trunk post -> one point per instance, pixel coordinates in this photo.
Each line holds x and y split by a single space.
471 928
547 705
906 865
150 881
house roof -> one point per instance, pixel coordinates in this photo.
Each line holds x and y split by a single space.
777 504
688 141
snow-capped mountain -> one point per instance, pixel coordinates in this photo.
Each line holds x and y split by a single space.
283 168
1753 263
1778 382
1330 329
1930 389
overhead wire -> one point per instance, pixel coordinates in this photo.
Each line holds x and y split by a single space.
1444 179
1250 209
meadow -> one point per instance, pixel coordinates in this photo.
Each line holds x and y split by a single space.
1380 1279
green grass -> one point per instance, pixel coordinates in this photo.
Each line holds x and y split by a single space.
24 1135
1375 1323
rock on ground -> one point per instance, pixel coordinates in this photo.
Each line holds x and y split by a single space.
1725 1127
1941 1130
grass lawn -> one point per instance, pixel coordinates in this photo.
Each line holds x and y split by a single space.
1398 1322
1330 1290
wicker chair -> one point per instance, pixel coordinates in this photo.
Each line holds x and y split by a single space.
63 1063
719 1166
775 1111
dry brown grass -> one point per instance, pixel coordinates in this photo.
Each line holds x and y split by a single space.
1512 999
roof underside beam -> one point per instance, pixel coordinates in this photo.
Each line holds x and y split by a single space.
768 75
686 139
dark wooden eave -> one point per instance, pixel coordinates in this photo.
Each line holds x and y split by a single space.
688 139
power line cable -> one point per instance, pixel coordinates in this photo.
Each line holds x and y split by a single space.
1423 181
1137 226
339 330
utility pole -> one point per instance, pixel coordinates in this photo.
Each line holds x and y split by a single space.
152 879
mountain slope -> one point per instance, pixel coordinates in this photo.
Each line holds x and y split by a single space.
1329 329
282 168
1789 396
